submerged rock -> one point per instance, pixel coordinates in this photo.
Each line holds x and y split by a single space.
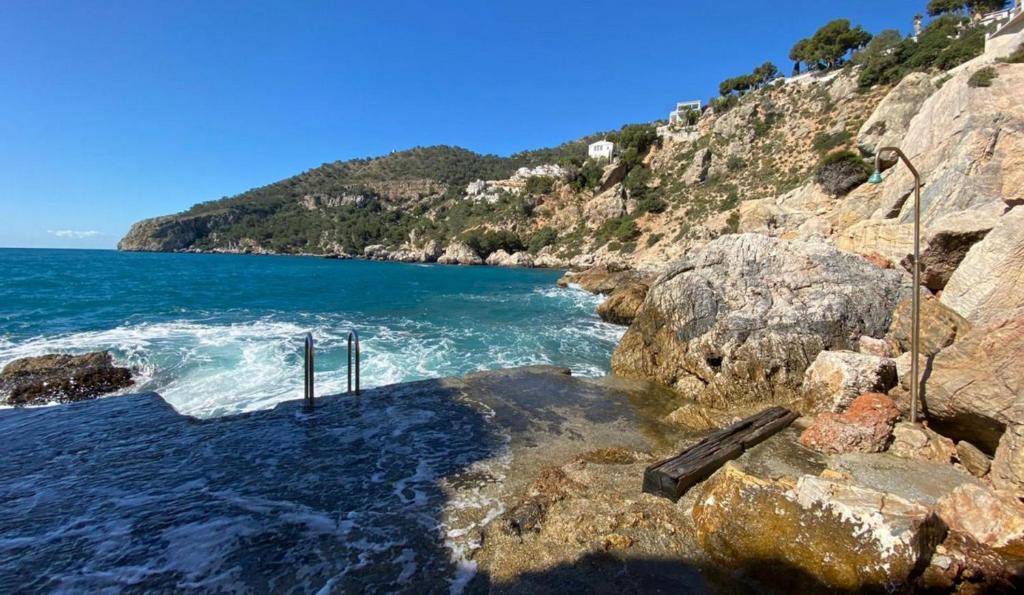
63 378
866 426
975 386
743 318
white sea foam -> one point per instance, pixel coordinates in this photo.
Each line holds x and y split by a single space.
208 369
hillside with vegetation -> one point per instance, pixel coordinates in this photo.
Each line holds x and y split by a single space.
666 192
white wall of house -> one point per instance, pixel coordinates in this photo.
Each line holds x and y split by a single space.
602 149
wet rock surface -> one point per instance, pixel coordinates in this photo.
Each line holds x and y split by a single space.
62 378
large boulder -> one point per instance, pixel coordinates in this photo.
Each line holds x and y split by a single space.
697 171
975 386
1008 465
990 280
940 326
459 253
62 378
836 378
828 535
992 518
891 119
624 303
743 318
968 145
867 426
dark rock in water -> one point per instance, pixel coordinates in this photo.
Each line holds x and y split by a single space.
63 378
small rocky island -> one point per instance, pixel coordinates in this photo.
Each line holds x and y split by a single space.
61 378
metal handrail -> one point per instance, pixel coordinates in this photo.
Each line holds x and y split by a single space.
308 364
353 336
309 398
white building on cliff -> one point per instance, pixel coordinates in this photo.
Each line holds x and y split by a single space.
602 149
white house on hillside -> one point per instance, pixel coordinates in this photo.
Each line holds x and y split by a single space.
679 115
602 149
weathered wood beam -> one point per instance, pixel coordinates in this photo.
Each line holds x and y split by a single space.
672 477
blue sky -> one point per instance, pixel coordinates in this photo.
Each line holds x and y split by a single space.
115 111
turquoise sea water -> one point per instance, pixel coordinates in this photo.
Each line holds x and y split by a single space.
221 334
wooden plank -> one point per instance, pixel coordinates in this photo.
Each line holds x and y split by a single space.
672 477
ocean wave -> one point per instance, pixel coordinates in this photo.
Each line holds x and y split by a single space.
208 369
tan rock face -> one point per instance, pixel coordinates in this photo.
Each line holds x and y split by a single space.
878 237
1008 466
972 459
995 519
913 441
840 536
742 319
598 279
891 119
867 426
624 303
836 378
968 145
975 386
990 280
459 253
940 326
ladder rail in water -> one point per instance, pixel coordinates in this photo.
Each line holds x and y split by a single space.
353 336
309 358
309 371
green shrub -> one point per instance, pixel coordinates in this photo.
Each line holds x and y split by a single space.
486 242
825 142
735 163
541 239
537 185
636 182
983 78
652 203
733 222
621 229
842 171
587 177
